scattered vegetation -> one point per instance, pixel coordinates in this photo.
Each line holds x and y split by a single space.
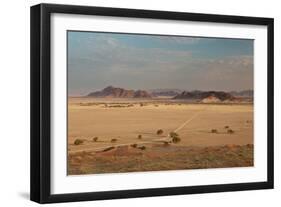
170 159
173 134
142 148
159 132
175 137
139 136
134 145
230 131
113 140
78 141
214 131
166 143
95 139
226 127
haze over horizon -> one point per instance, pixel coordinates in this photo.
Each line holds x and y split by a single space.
130 61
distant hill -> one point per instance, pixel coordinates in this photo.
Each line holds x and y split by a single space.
113 92
211 99
206 96
165 92
244 93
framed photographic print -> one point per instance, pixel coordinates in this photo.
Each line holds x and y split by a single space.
133 103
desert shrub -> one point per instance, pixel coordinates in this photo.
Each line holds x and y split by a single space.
156 105
113 140
142 147
141 104
230 131
214 131
78 141
173 134
95 139
166 143
139 136
134 145
159 132
175 137
226 127
108 148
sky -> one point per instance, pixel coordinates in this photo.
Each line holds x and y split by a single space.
96 60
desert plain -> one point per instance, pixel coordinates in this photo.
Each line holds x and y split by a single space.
111 135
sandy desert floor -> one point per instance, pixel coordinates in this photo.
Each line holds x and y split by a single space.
118 123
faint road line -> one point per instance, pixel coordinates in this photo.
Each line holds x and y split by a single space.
166 138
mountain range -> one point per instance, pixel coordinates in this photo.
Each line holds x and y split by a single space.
113 92
203 96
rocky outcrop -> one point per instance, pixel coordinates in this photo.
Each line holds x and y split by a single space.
113 92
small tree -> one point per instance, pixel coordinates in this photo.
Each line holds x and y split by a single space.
95 139
113 140
159 132
142 147
214 131
139 136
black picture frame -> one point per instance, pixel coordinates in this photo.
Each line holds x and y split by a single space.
41 99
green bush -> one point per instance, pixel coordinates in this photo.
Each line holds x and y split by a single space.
78 141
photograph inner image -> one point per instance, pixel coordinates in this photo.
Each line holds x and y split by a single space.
144 102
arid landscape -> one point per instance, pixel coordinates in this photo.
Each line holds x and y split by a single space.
143 102
111 134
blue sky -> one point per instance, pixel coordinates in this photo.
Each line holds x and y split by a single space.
96 60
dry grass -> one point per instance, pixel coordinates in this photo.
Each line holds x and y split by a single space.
160 158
